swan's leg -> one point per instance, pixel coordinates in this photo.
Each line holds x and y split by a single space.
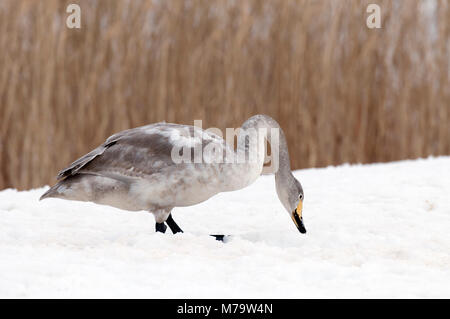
160 227
172 225
160 217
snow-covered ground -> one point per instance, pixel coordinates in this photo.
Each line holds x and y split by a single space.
379 230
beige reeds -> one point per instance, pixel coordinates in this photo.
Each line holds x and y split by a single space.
342 92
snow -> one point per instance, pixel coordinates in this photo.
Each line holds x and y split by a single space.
378 230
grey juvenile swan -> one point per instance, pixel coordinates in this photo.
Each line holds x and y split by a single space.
158 167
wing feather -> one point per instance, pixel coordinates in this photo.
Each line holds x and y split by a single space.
75 167
139 151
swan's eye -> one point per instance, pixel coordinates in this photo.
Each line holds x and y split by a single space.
300 196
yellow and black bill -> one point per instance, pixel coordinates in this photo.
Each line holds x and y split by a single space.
298 219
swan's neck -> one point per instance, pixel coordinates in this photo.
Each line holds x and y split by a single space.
268 130
251 154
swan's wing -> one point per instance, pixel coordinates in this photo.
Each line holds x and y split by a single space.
74 167
139 151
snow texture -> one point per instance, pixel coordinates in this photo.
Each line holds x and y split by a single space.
380 230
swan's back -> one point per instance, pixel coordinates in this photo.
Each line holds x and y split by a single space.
134 170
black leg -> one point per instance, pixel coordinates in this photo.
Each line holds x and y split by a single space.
160 227
172 225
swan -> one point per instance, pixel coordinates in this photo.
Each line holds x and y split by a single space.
161 166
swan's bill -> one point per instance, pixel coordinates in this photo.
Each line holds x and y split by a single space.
298 219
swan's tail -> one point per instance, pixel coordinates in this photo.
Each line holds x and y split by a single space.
52 192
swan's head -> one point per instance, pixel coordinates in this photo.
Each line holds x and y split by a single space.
290 193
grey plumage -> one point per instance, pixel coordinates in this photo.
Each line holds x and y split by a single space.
134 169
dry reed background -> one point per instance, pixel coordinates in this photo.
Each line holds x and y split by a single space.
342 92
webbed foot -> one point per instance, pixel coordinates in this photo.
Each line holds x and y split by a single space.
160 227
172 225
